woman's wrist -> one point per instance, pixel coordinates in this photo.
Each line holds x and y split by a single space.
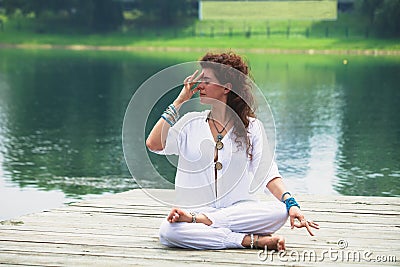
171 115
177 103
289 201
285 196
199 218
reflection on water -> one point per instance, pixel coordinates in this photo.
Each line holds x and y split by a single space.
61 117
369 148
307 102
337 125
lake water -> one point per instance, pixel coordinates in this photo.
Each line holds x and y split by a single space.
61 114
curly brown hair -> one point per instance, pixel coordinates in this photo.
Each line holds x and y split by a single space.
240 98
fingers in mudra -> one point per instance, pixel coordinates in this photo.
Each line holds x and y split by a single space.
191 82
313 224
304 223
178 215
308 224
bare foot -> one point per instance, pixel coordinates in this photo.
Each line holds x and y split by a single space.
273 242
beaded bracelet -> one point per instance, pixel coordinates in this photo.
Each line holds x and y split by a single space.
173 109
290 202
193 217
167 120
286 193
170 115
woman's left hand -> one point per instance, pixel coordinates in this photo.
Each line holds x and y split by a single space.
295 213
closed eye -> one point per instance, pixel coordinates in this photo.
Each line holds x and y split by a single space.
206 80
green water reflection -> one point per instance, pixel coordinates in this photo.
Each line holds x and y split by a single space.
61 116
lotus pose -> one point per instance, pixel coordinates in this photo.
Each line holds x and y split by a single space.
222 152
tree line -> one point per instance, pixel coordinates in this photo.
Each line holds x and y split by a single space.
381 16
104 15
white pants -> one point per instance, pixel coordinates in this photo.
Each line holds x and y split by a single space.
228 228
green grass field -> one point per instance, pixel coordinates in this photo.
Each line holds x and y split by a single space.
197 42
268 10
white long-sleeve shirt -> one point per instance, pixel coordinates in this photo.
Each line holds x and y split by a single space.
195 183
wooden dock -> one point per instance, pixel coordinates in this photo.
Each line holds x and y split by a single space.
122 230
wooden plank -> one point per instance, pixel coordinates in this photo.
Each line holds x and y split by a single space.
366 219
61 259
141 197
145 229
144 250
243 256
122 229
354 208
322 207
126 240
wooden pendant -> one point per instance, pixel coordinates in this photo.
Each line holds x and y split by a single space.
219 145
218 165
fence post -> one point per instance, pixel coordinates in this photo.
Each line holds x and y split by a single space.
248 32
268 30
212 31
327 32
230 32
346 31
307 32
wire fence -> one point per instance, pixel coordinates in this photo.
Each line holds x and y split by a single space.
250 31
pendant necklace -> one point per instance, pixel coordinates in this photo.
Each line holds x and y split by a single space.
219 145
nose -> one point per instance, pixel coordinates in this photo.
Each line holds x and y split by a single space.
201 86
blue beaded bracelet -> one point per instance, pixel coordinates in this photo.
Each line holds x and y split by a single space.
174 109
283 195
290 202
167 120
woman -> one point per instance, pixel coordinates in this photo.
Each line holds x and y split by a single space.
220 152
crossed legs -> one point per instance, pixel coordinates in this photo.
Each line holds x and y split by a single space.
229 227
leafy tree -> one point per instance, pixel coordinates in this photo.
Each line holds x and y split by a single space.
167 13
99 15
387 19
369 7
93 15
38 6
383 15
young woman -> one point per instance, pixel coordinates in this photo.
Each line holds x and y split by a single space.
220 152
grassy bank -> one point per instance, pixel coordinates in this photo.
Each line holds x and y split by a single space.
341 35
194 42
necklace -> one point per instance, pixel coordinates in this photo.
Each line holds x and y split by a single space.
219 145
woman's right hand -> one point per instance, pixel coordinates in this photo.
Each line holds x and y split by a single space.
187 91
179 215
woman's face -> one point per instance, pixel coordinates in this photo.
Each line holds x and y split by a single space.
210 89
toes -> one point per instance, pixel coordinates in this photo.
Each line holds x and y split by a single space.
275 242
281 244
